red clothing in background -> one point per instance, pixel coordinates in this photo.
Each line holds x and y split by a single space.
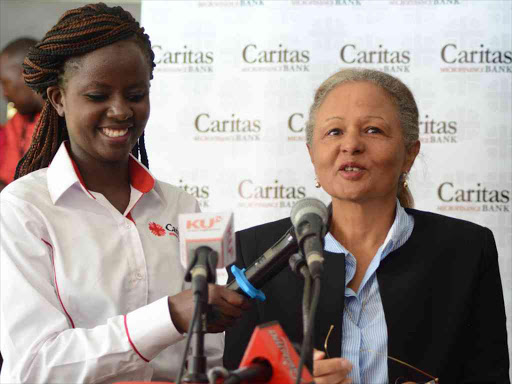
17 134
2 143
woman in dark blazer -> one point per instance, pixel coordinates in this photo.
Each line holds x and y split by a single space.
400 283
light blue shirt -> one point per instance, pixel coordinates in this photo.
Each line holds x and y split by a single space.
364 324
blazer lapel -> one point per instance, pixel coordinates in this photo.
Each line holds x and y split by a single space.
330 306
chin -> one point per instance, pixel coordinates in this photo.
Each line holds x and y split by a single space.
114 157
347 194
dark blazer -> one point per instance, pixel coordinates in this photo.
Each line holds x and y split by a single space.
441 293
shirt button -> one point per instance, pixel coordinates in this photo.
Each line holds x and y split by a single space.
139 276
127 225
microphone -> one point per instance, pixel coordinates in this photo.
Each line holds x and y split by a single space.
206 229
249 280
259 371
207 242
309 217
269 346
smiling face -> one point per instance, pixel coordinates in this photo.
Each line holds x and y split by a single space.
357 148
105 101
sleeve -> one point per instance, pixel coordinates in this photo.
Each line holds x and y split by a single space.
38 339
237 337
488 358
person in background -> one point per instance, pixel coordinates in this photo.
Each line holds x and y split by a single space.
91 281
407 295
17 132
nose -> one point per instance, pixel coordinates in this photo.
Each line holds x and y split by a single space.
352 142
120 109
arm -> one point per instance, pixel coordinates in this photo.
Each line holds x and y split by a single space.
487 360
38 339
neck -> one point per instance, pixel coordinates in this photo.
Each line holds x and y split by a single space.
364 225
105 177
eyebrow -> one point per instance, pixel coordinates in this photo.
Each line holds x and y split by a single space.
96 83
342 118
99 84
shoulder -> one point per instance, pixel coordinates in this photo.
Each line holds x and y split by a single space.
26 206
442 222
441 228
175 197
31 189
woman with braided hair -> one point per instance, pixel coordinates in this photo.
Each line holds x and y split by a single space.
91 283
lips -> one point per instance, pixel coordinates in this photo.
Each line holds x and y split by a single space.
352 167
114 131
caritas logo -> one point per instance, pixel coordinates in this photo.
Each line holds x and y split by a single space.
203 224
156 229
159 231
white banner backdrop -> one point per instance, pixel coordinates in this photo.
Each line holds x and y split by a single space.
235 78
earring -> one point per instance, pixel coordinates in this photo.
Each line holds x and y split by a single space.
404 178
317 184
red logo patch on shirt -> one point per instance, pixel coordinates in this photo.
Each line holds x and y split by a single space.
156 229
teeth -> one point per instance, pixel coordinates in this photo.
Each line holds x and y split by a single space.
114 132
351 169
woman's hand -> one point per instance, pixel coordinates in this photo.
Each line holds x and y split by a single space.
227 307
330 371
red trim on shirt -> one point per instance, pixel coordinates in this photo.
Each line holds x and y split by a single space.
57 285
77 171
129 217
131 343
140 178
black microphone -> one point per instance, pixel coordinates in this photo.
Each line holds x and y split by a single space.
259 371
310 217
201 269
249 280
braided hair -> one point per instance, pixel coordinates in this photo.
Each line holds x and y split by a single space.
78 31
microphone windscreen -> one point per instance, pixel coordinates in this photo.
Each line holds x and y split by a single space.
308 206
214 230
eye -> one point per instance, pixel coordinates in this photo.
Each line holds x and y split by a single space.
373 130
334 132
96 96
137 97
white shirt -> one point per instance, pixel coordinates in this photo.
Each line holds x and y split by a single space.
84 288
364 329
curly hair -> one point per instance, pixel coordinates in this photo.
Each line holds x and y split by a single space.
78 31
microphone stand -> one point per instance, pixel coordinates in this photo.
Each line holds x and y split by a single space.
298 265
201 271
314 259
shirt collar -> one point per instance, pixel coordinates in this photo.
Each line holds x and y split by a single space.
397 234
63 173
